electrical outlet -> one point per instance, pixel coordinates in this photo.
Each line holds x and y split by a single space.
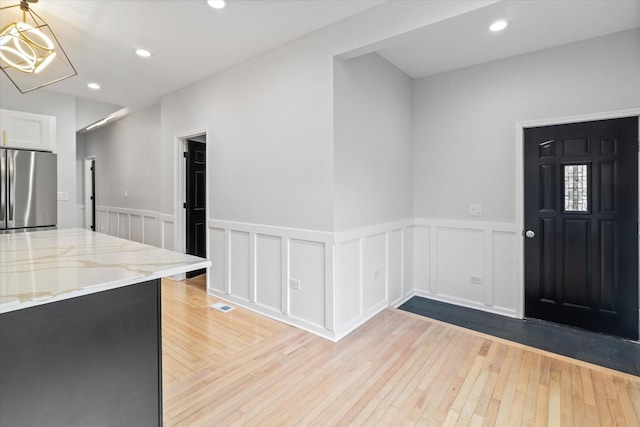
294 284
476 279
374 274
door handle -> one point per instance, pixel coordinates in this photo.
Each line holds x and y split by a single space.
11 187
530 234
3 187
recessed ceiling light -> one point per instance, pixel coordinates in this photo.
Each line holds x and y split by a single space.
144 53
217 4
94 86
498 26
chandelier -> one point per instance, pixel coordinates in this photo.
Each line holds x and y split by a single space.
30 54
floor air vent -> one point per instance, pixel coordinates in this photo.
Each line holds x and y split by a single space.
220 306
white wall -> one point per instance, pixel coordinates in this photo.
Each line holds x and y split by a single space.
372 142
270 120
373 185
280 174
464 130
127 154
464 120
89 111
270 129
128 159
63 107
269 140
81 153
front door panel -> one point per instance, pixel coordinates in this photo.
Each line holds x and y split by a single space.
581 211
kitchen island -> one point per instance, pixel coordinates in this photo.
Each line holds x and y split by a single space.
80 328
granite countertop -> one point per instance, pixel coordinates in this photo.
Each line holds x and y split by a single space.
41 267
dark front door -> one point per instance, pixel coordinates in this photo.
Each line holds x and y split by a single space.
196 191
581 222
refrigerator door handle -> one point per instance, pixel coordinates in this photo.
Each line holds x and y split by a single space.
3 188
11 189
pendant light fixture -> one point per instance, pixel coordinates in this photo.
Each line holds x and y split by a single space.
30 54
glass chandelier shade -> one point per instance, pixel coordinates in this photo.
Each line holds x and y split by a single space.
30 54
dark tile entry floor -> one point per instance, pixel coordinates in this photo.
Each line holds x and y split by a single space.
604 350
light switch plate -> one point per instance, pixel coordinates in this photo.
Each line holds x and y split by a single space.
63 195
475 210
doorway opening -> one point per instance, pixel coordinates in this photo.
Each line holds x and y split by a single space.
580 246
90 193
191 197
195 204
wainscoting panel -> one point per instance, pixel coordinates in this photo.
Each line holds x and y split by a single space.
167 231
460 257
217 254
102 221
269 271
422 260
395 266
375 270
149 227
124 227
370 272
407 262
136 230
239 264
466 263
253 266
113 224
344 278
504 271
298 277
307 266
152 230
348 281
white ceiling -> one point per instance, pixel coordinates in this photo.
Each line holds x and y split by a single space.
188 39
533 25
191 41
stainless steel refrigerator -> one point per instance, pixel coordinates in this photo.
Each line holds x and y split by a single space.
28 190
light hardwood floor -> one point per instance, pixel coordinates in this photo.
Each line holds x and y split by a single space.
240 368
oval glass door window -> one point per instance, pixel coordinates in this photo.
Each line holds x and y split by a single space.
576 190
